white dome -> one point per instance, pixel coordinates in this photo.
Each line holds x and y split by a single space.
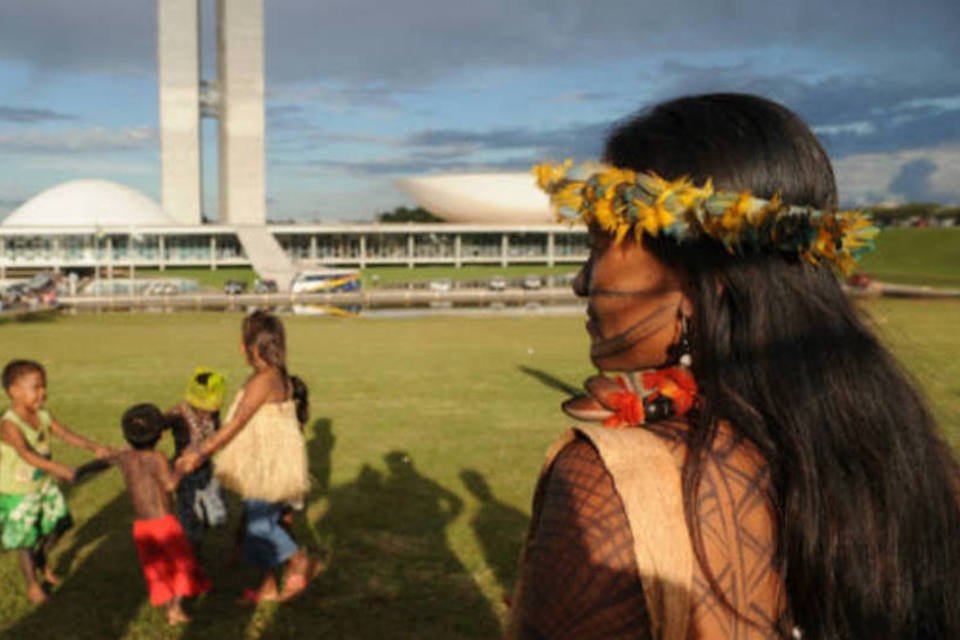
486 198
89 203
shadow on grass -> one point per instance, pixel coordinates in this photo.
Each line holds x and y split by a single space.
500 530
101 593
551 381
391 573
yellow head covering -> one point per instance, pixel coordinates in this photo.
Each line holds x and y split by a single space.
205 389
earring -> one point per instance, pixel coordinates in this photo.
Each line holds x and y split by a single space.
684 348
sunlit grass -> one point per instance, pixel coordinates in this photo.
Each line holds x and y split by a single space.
425 442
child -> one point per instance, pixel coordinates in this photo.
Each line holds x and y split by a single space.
33 512
300 394
199 500
262 456
166 557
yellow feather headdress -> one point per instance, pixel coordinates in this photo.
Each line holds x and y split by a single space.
621 201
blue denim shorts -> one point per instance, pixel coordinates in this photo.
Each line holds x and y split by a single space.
265 543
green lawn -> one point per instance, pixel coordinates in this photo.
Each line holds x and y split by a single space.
916 256
204 277
425 441
372 276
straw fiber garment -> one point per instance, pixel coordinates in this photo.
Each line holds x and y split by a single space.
267 460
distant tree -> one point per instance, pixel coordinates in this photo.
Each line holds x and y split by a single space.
408 214
928 212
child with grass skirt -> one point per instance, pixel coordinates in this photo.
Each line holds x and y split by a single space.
261 455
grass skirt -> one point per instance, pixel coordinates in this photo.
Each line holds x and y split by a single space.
267 460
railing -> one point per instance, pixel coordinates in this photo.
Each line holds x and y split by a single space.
376 298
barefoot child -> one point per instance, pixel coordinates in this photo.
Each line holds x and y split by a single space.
300 394
166 557
261 455
33 512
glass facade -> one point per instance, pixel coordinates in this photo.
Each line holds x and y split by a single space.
296 246
388 247
186 249
571 245
480 245
527 245
354 246
434 246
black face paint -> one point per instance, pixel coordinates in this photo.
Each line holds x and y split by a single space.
640 330
630 293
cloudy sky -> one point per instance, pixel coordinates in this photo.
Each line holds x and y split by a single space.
363 92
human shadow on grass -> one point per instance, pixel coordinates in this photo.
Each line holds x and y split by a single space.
219 615
391 572
551 381
499 528
101 593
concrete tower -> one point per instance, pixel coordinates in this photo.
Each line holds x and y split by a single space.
178 70
240 69
235 97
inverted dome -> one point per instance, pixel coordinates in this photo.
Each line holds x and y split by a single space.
89 203
486 198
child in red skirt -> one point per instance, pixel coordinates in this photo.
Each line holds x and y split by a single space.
166 556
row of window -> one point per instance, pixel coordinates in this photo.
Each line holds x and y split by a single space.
300 247
429 246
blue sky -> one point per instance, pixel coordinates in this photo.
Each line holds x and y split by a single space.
363 92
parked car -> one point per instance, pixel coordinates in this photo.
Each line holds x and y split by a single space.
234 287
532 281
14 293
265 286
441 285
497 283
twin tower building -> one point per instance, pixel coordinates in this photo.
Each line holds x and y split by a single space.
235 97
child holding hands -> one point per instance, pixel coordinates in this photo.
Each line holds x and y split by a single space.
33 512
166 555
261 455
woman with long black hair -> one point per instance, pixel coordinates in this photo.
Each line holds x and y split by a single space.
764 467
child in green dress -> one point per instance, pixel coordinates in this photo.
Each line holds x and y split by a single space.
33 512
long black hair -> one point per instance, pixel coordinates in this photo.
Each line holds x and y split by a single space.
863 488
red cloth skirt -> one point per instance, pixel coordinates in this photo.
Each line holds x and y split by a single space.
167 560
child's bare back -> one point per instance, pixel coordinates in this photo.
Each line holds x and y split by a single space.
149 480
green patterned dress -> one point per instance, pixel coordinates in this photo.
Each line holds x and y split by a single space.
31 503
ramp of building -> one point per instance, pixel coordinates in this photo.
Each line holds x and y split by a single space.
266 255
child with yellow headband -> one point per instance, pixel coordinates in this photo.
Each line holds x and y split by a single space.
199 500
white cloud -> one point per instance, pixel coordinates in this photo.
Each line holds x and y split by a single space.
861 128
86 140
866 178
